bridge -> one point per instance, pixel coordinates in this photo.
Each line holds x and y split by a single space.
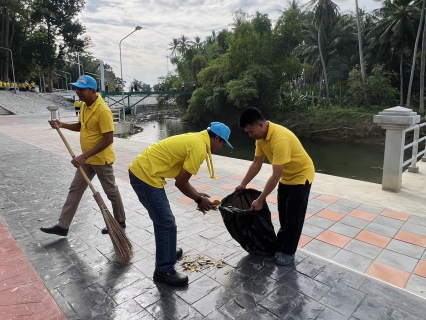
119 97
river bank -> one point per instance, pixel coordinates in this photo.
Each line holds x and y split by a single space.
355 125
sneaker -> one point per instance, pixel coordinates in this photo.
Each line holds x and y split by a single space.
172 278
55 230
122 224
283 259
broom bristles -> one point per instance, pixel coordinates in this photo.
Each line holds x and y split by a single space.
122 246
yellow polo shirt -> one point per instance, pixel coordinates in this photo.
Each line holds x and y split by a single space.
282 147
96 120
77 104
166 158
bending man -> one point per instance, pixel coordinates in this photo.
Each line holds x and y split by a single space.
177 157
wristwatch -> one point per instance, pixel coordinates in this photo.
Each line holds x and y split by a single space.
198 201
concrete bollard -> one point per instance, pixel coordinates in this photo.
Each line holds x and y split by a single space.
394 121
53 112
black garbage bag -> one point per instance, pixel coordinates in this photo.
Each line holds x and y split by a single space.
253 230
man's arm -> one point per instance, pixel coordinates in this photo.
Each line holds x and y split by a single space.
182 183
252 172
107 139
70 126
277 171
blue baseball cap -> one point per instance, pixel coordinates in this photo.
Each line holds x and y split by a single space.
221 130
85 82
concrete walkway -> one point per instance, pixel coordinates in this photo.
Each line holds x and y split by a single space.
354 232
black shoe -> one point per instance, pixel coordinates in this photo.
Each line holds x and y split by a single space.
172 278
55 230
122 224
179 253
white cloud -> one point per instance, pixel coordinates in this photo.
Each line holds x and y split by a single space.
144 52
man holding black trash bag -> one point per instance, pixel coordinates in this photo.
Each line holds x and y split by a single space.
291 167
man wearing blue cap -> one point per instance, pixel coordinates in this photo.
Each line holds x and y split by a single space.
178 157
96 129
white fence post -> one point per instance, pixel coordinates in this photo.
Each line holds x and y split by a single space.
413 167
394 121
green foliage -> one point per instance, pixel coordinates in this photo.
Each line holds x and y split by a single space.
379 87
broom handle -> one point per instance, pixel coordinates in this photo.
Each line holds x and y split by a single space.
73 156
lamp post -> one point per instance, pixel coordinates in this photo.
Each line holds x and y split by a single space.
13 69
66 79
121 70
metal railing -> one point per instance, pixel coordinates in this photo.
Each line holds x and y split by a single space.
415 148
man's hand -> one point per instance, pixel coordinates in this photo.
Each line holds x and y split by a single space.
55 123
205 204
79 161
240 187
257 204
204 195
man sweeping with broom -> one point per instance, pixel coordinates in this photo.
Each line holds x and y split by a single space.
178 157
96 129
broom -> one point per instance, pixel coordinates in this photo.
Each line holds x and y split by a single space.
122 245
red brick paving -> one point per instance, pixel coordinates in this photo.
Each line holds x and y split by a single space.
22 292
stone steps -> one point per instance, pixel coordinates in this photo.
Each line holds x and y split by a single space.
5 112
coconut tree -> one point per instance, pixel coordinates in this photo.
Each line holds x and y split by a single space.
197 43
422 72
183 44
361 53
413 64
174 45
395 28
326 12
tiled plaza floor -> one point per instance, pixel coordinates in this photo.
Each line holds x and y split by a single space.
83 277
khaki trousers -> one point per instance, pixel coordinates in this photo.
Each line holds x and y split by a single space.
105 175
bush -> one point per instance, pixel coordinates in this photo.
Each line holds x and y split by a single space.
379 87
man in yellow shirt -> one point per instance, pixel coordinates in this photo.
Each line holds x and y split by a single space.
178 157
77 106
291 167
96 129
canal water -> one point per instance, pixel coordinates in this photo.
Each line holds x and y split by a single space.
344 159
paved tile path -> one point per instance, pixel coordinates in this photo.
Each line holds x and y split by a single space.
83 277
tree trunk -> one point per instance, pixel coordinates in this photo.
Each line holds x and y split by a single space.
413 64
422 72
50 59
340 93
361 55
401 76
6 44
2 38
323 66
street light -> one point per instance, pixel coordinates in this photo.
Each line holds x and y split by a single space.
66 79
121 69
13 69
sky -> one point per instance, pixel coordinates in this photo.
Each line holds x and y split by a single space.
144 53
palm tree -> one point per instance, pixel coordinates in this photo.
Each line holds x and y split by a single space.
394 29
413 64
326 12
197 43
422 72
361 54
174 45
183 44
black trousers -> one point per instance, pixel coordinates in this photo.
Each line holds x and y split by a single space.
292 204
